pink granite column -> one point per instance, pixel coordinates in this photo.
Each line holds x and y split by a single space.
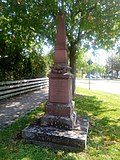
59 111
61 47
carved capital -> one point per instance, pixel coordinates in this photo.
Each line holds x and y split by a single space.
60 69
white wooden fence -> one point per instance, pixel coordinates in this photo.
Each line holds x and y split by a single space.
12 88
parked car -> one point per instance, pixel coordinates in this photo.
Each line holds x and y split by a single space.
98 77
91 76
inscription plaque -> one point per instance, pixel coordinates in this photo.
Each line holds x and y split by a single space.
59 90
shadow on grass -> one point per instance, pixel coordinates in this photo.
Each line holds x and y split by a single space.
103 132
87 104
92 107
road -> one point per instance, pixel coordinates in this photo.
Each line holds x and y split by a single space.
110 86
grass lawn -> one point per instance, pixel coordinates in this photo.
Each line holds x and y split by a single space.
103 110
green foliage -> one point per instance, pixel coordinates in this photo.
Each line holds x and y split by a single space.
49 60
91 24
15 64
27 68
20 32
103 137
82 65
98 69
94 21
80 60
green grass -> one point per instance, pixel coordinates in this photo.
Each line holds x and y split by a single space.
103 110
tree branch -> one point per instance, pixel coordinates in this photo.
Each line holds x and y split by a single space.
92 8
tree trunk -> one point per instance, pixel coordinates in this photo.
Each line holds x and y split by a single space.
73 66
117 73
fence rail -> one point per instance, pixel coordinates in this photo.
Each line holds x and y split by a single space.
12 88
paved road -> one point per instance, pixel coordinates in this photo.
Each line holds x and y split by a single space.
110 86
18 106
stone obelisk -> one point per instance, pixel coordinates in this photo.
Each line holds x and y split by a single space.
59 111
61 47
59 127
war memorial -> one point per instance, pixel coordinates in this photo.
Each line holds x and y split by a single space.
59 127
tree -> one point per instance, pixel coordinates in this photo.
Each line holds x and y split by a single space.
92 23
83 66
80 59
98 69
113 64
18 37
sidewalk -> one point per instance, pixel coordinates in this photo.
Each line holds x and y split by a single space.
14 107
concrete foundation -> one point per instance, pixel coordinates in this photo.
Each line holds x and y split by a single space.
55 138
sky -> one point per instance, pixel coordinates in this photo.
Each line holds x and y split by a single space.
100 56
46 49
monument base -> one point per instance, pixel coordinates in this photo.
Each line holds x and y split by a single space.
58 115
71 140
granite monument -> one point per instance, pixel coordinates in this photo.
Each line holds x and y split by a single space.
59 127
